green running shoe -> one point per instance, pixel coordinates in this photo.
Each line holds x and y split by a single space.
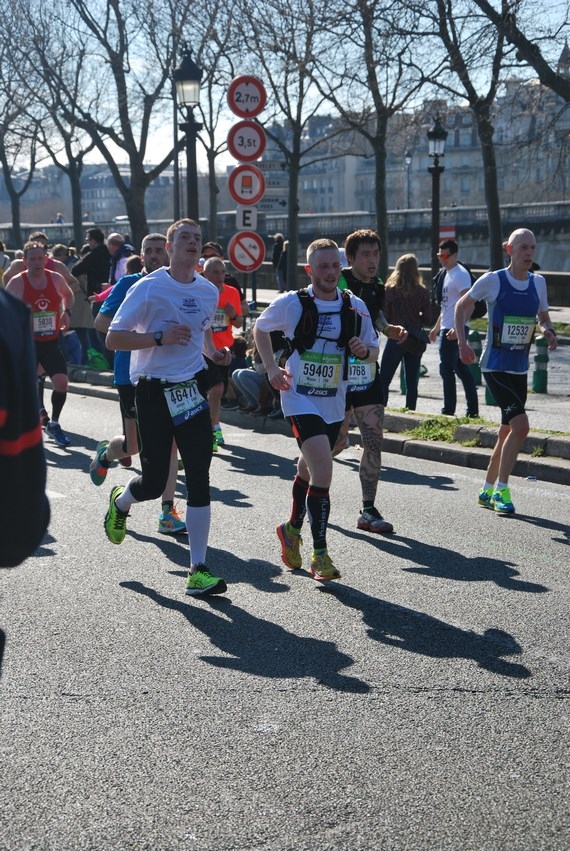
485 497
202 582
290 547
97 469
115 520
218 436
502 503
322 569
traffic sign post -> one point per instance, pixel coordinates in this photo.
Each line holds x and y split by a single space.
246 218
246 96
246 185
246 251
246 141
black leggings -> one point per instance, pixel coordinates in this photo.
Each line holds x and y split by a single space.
156 429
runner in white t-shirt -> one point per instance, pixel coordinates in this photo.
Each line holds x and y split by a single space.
164 322
313 391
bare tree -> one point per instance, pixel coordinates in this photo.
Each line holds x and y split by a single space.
18 155
281 38
366 66
477 59
107 66
545 28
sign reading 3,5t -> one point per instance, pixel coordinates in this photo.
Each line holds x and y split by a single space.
246 141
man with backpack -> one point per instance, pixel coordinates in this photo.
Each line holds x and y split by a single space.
324 328
455 281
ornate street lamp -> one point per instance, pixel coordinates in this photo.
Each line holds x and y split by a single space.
187 77
436 148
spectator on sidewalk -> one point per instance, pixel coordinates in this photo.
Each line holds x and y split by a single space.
456 282
407 303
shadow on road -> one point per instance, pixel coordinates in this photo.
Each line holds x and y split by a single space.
416 632
256 462
443 563
257 646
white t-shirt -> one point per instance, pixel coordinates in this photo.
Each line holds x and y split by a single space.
457 280
157 302
318 386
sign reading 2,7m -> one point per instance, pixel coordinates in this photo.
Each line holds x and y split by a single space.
246 96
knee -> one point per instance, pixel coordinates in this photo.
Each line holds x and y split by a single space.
520 427
60 383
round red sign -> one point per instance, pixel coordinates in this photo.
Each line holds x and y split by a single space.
246 96
246 184
246 251
246 141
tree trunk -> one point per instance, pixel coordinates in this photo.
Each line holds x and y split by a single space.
74 175
213 192
379 147
486 130
293 221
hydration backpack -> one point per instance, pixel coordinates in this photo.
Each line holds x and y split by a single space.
307 326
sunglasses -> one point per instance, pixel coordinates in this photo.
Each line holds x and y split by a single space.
443 256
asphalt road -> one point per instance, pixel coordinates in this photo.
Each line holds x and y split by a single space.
419 703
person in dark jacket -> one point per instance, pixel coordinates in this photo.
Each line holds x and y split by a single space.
275 257
95 266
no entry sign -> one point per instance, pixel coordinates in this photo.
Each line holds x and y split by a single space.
246 251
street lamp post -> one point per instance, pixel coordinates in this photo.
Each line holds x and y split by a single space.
408 162
187 77
436 148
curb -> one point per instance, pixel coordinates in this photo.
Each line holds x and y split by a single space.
551 466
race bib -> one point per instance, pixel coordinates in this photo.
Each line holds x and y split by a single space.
220 320
44 324
360 375
319 374
517 331
184 401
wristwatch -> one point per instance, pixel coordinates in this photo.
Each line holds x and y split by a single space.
158 338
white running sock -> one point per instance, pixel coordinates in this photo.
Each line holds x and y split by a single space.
198 526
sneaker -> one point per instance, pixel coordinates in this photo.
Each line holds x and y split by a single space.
276 414
44 417
372 521
170 522
202 582
97 470
115 522
322 569
215 445
485 497
290 547
218 436
501 502
55 431
126 462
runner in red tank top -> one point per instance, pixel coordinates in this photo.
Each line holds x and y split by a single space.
50 300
